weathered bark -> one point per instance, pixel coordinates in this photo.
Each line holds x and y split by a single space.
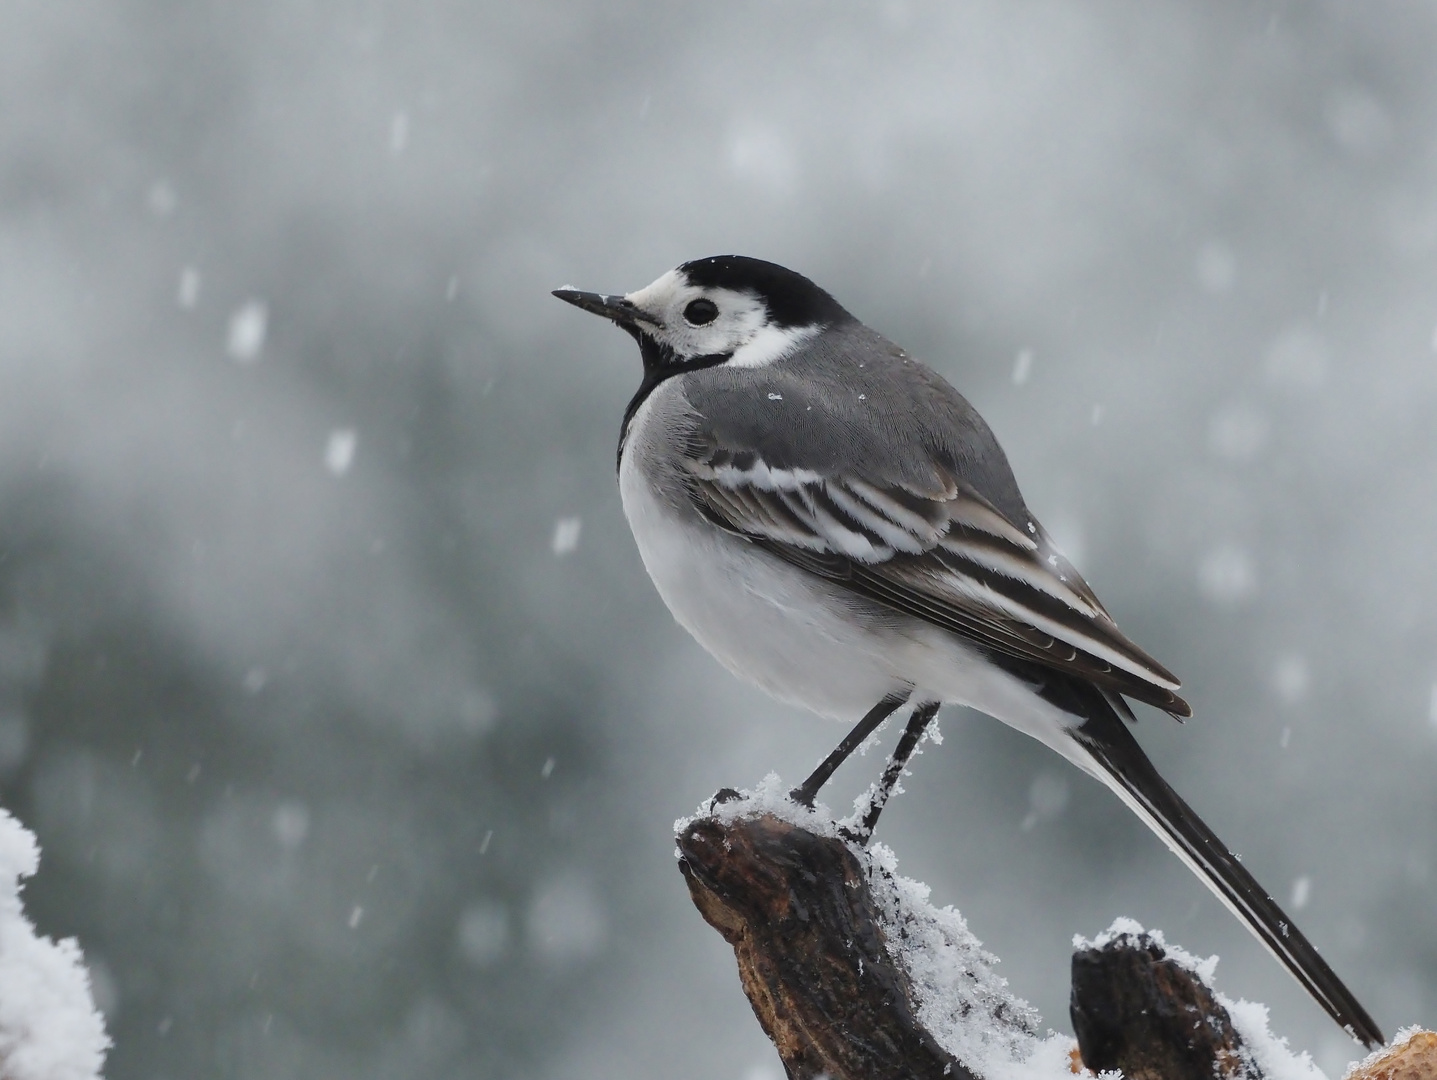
1416 1059
814 962
1139 1013
797 909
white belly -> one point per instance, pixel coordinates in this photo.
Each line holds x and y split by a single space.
803 640
758 616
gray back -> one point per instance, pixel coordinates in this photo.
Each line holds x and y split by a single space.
850 401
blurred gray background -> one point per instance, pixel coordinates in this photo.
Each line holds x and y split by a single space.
330 679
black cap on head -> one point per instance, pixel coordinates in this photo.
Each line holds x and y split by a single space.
792 299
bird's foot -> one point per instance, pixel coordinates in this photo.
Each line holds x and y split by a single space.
804 796
721 796
856 835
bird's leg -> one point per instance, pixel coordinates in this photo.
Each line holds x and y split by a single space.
917 723
806 792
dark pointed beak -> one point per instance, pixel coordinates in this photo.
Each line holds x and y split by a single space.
624 312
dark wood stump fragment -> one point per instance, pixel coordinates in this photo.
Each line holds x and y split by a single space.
1140 1013
814 962
1414 1058
798 912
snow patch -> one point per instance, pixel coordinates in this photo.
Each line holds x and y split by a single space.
49 1027
962 1000
1124 927
1273 1056
249 324
339 450
1301 892
769 797
566 535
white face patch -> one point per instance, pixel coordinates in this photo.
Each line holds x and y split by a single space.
770 343
741 327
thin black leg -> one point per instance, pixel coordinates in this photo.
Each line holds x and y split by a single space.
807 791
917 723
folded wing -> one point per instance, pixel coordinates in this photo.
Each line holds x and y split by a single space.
944 555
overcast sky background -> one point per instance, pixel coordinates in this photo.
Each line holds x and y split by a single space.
330 680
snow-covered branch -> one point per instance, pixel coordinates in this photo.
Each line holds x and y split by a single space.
854 975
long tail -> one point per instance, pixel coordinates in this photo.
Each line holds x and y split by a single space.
1114 756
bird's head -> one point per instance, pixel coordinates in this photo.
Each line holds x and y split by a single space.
727 309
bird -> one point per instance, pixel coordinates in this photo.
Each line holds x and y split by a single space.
836 524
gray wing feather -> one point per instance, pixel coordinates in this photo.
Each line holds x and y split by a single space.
975 583
915 506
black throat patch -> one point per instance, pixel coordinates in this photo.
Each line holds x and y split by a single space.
660 363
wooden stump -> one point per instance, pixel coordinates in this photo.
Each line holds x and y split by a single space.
816 966
1137 1012
1413 1059
811 955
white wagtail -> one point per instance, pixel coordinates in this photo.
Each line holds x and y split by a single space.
836 524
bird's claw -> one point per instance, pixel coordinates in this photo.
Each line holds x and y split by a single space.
721 796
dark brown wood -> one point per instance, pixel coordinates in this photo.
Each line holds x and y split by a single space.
1138 1012
1414 1058
814 962
798 912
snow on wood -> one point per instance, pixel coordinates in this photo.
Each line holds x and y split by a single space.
854 974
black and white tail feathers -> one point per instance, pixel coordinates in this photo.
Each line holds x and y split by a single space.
1107 749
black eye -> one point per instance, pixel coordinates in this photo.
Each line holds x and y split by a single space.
701 312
